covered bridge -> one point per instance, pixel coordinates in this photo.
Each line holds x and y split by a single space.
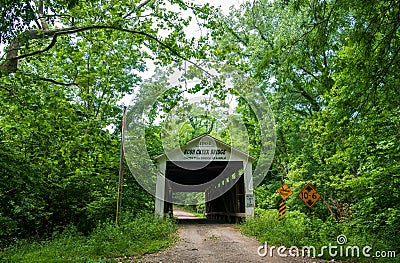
206 164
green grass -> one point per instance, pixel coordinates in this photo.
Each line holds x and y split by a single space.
298 229
141 235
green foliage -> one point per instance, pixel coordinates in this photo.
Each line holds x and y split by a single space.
17 15
58 162
266 227
301 230
59 116
133 237
329 69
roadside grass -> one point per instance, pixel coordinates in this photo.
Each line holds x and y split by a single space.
107 243
300 230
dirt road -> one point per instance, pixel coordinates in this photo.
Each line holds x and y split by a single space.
182 214
214 243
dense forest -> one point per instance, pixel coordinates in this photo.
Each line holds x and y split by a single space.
329 70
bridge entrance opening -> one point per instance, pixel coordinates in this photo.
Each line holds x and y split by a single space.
225 179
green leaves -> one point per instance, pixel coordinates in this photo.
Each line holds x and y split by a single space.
16 17
59 89
330 71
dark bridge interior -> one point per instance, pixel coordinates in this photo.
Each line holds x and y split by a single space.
221 181
198 172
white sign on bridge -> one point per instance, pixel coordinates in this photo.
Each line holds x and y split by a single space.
206 149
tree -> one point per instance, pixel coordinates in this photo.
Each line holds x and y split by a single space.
66 66
329 68
53 19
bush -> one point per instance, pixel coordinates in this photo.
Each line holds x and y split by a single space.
266 227
298 229
133 237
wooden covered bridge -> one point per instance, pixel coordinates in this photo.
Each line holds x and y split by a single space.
207 165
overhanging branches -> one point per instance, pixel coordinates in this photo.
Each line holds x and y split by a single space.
10 65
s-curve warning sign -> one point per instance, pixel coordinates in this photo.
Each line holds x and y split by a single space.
284 191
309 195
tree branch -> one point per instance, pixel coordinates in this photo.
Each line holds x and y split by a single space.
310 73
314 104
11 62
243 41
137 8
52 43
58 82
253 20
42 19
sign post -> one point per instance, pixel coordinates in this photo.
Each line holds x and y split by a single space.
121 167
285 192
282 210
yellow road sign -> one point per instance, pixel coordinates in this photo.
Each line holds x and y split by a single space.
309 195
284 191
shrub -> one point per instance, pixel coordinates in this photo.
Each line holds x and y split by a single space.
266 227
134 236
